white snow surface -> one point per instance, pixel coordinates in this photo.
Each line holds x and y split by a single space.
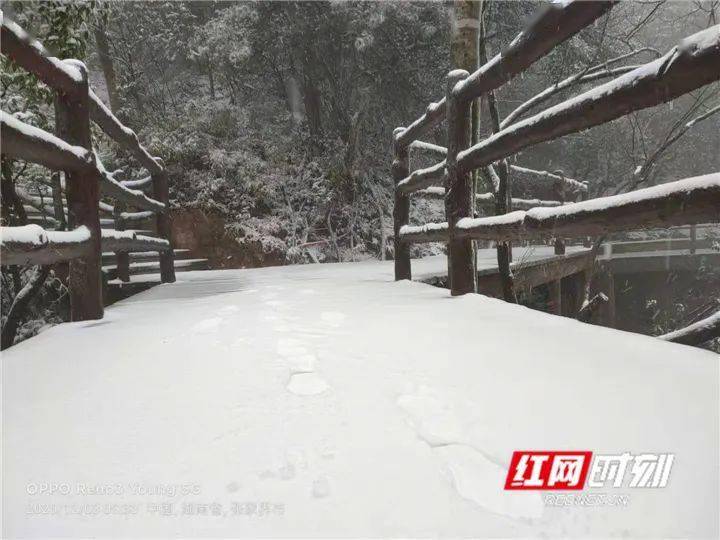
360 406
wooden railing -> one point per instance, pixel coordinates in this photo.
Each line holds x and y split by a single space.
86 181
693 63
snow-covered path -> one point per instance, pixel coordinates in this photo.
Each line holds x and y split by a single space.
327 400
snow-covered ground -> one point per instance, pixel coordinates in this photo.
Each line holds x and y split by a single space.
328 400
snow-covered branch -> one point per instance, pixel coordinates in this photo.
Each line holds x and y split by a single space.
697 333
488 199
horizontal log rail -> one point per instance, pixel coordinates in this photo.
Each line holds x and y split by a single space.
141 183
31 244
421 178
554 24
86 180
112 188
29 54
693 63
684 202
697 333
122 135
23 141
127 241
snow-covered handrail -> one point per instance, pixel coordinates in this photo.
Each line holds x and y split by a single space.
29 54
142 183
434 114
23 141
693 63
421 178
555 23
31 244
112 188
430 149
684 202
122 135
697 333
60 75
85 177
125 241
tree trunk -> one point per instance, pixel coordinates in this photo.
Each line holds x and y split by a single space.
503 197
108 68
11 202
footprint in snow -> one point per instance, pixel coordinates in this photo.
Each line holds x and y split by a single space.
474 476
481 481
298 359
321 488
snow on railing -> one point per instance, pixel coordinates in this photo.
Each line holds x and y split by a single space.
31 244
85 179
693 63
684 202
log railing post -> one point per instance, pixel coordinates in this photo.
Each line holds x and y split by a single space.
122 258
462 275
83 195
401 210
161 193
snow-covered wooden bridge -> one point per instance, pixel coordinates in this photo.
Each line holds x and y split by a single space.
345 399
351 404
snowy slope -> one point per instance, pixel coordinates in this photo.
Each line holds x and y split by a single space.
340 403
